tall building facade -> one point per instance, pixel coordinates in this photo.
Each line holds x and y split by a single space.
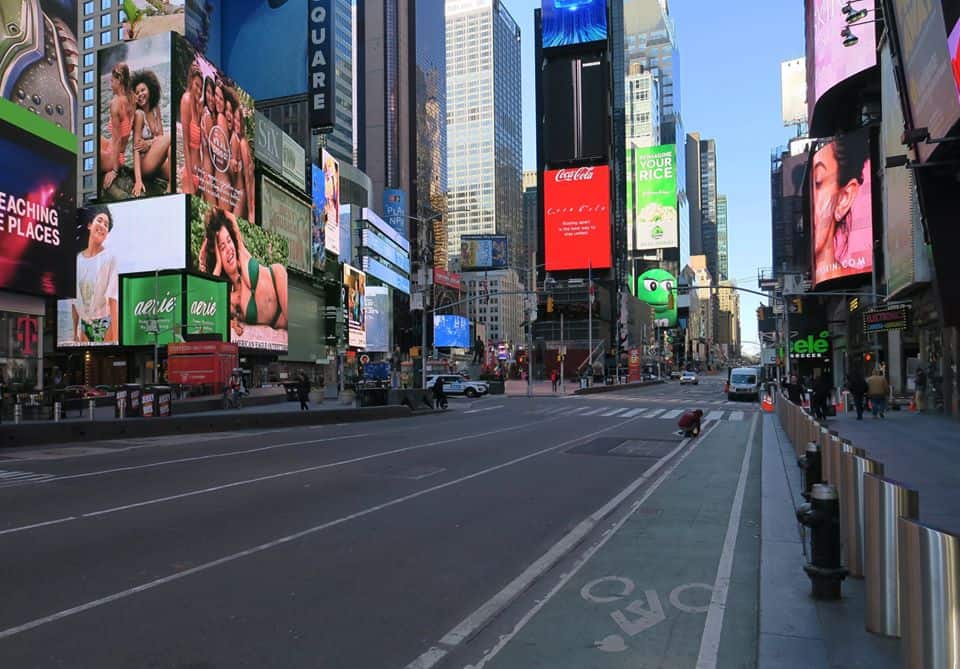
484 155
641 107
501 313
649 39
530 215
723 247
708 205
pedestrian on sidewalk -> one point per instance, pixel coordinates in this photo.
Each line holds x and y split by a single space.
920 383
303 391
395 366
795 390
877 390
477 351
857 385
553 379
821 391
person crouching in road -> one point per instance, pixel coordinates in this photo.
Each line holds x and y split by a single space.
877 390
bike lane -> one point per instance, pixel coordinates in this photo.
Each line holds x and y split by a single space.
675 583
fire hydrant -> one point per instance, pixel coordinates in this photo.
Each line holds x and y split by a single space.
811 467
822 515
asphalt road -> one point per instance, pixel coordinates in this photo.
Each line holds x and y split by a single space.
387 544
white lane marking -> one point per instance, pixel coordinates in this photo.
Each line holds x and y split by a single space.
585 557
654 413
634 412
580 410
713 415
10 474
496 406
149 585
673 413
710 641
736 415
593 411
614 412
259 479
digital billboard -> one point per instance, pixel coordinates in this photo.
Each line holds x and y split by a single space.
483 252
38 199
207 307
254 262
331 201
378 310
198 21
215 134
134 85
151 311
451 331
38 67
318 231
575 91
842 209
828 61
354 304
793 91
652 198
115 239
566 22
395 209
576 218
290 218
321 65
658 288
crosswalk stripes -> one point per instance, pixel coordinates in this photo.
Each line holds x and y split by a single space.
654 413
633 412
595 411
614 412
15 477
713 415
673 413
608 411
736 415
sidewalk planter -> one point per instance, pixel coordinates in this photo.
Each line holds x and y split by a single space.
496 387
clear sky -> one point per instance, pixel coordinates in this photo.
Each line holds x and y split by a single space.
730 54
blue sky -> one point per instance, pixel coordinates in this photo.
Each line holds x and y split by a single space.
730 54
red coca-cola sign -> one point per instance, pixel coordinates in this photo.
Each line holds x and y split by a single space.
576 218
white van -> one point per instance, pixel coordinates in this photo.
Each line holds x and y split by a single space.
743 382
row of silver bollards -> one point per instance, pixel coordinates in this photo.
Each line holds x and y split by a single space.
911 570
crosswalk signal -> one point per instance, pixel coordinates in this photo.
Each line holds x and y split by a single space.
549 305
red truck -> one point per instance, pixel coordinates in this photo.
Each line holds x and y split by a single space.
208 363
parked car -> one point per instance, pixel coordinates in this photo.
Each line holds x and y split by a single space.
744 382
675 374
689 377
454 384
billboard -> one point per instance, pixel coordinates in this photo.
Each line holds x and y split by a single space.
576 218
38 199
395 210
575 91
842 209
327 200
483 252
318 231
321 69
652 198
215 134
792 174
828 61
451 331
354 304
279 151
254 262
207 306
115 239
658 288
134 87
374 242
566 22
793 91
199 22
379 308
151 311
40 56
289 218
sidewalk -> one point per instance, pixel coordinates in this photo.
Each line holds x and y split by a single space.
518 388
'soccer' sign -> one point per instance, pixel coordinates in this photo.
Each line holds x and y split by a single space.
576 205
320 65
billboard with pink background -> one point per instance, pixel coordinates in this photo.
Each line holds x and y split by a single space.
828 61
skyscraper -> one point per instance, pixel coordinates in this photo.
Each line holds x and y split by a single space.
708 204
484 153
723 249
641 108
530 214
650 38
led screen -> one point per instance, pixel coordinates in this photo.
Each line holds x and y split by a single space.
115 239
828 61
652 197
842 210
198 21
151 309
331 201
483 252
254 262
354 303
658 288
207 306
318 230
451 331
577 218
378 310
575 93
290 218
395 209
566 22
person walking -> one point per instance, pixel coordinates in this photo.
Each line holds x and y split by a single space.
857 385
821 391
920 383
553 379
877 390
303 391
477 351
395 365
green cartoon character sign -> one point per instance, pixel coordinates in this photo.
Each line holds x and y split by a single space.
658 288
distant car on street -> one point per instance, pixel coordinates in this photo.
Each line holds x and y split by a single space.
454 384
675 374
689 377
744 382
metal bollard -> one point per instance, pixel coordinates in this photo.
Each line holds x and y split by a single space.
57 411
822 516
827 458
930 587
122 404
17 413
884 501
810 464
851 508
91 405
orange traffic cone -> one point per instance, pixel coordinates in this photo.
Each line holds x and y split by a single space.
767 404
913 406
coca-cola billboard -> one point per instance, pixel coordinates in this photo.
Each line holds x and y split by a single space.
576 218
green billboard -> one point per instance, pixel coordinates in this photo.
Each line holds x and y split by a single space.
652 197
151 308
206 306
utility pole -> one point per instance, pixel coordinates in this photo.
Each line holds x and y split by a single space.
563 358
532 283
590 318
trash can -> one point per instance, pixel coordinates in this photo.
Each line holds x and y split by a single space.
134 393
164 400
148 403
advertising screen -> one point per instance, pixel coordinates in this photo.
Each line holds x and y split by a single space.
38 199
207 306
793 91
574 90
254 262
451 331
483 252
378 310
566 22
354 304
395 209
652 198
198 21
658 288
290 219
331 201
151 309
842 210
374 242
115 239
215 134
828 61
134 83
318 232
40 50
576 218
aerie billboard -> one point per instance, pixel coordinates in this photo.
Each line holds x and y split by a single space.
576 220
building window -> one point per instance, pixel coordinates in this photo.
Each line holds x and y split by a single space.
106 20
88 26
88 57
88 43
88 146
87 129
106 4
88 182
106 37
88 164
88 8
88 77
88 111
88 94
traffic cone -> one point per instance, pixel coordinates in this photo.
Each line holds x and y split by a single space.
767 404
912 406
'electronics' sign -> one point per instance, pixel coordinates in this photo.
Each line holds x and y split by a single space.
576 218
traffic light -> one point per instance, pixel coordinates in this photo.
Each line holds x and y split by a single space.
549 305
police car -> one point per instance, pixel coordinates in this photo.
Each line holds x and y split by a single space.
454 384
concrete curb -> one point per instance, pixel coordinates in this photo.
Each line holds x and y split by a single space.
14 436
593 390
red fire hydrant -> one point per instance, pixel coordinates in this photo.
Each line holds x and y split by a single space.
690 422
